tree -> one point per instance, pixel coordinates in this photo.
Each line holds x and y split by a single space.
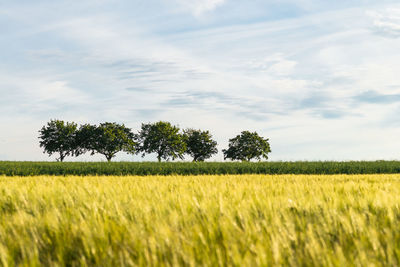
200 145
59 137
161 138
247 146
107 139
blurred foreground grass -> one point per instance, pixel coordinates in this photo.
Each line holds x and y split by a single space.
250 220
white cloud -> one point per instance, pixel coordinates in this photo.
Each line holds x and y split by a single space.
275 65
292 80
199 7
387 22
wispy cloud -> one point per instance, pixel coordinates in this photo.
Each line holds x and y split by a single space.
375 97
309 77
387 22
199 7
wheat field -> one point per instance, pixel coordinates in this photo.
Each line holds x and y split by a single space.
232 220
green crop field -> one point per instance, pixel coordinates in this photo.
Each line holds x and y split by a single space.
10 168
234 220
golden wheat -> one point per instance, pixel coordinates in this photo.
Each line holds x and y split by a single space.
248 220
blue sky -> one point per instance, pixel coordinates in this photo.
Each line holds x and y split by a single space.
319 78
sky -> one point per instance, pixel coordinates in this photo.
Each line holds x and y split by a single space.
320 79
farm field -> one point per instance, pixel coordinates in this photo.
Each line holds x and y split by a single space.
234 220
14 168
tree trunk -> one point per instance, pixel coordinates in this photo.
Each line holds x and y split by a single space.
109 157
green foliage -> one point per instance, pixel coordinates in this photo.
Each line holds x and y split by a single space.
107 139
242 220
163 139
59 137
247 146
10 168
200 145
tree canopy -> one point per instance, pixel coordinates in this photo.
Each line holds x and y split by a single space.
163 139
200 145
247 146
107 139
59 137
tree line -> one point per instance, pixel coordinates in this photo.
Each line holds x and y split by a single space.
167 141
